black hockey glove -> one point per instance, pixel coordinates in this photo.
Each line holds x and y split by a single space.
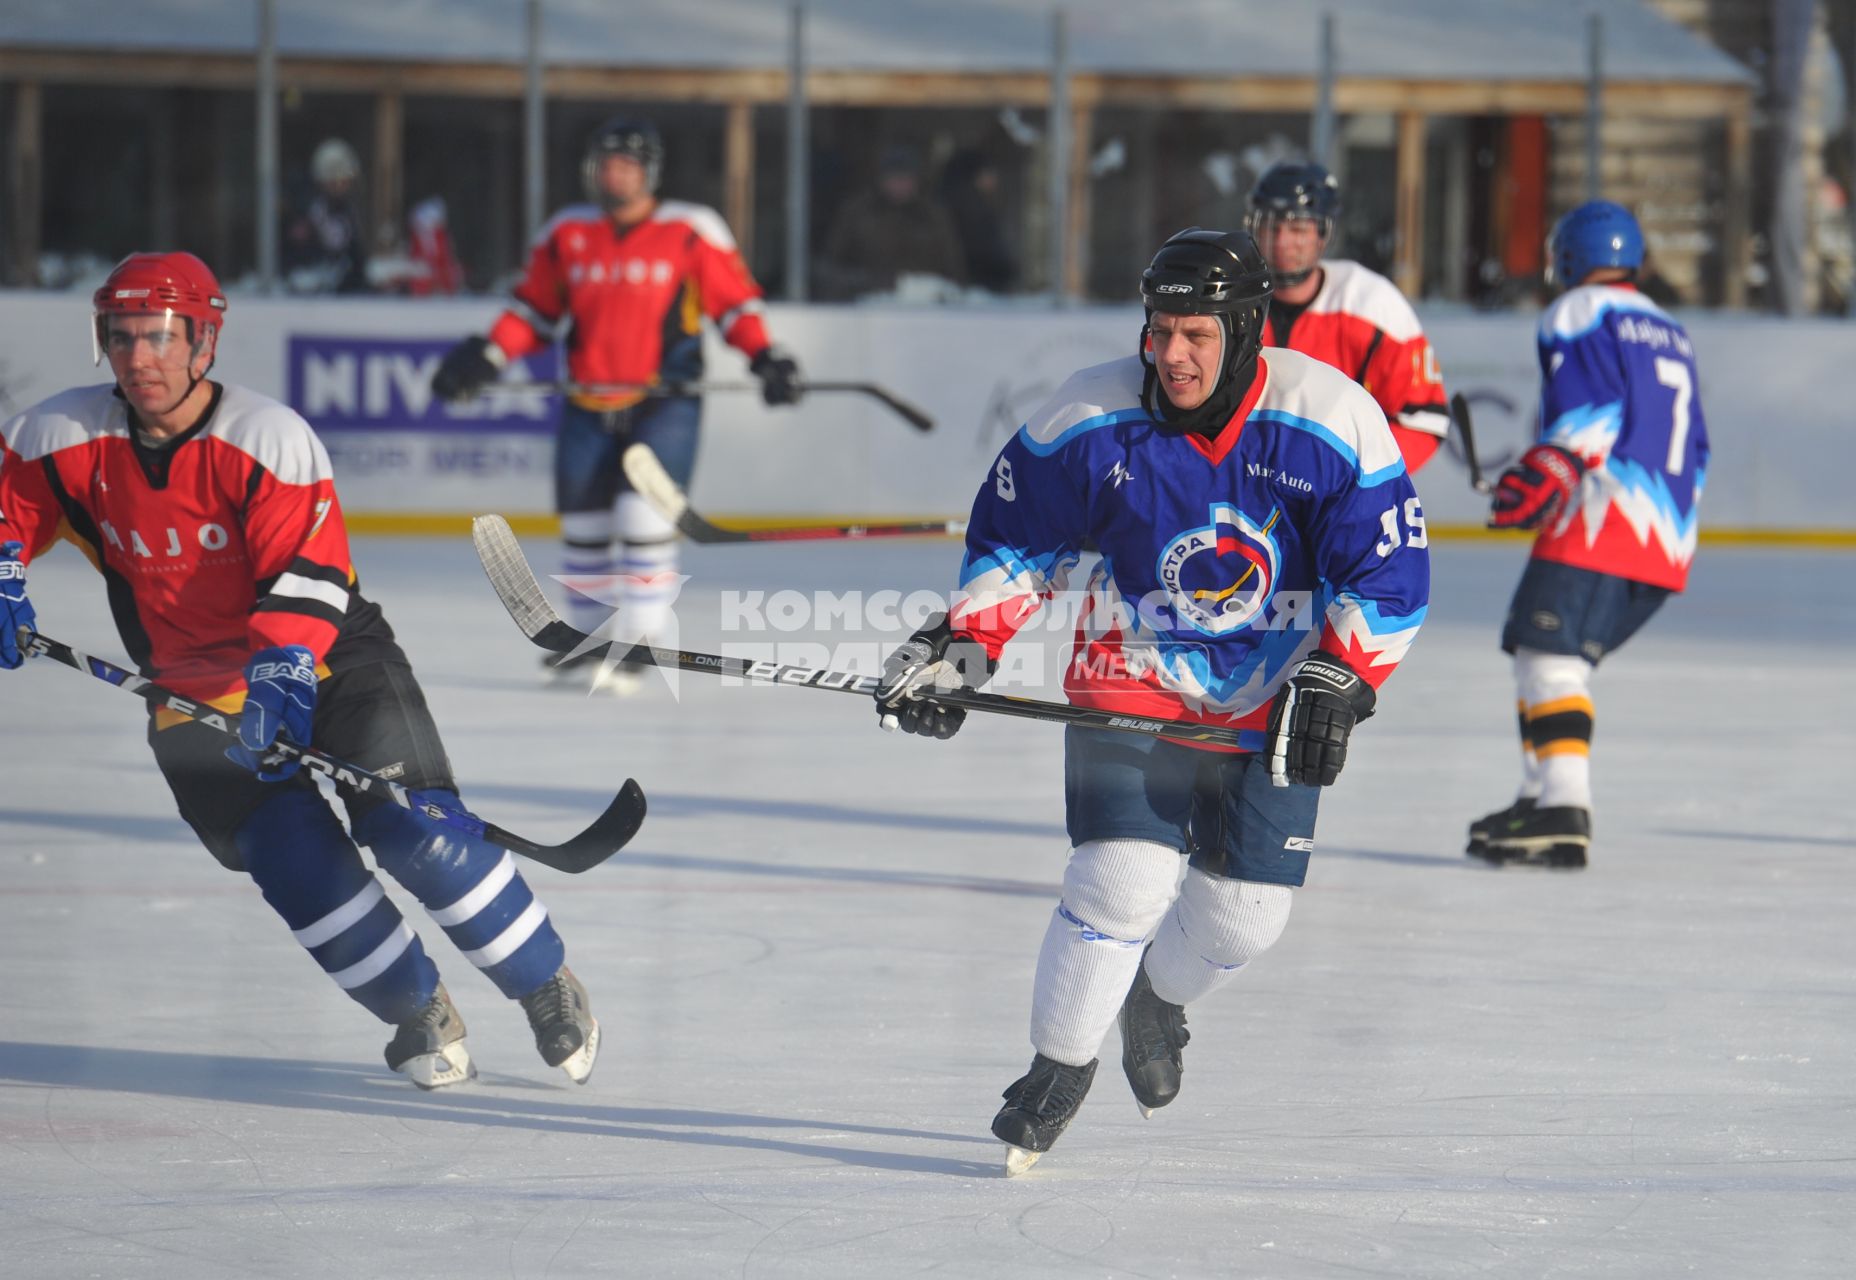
933 658
467 369
1535 489
779 376
1310 719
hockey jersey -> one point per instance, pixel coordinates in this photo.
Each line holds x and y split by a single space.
1620 389
227 540
1223 561
1361 324
634 297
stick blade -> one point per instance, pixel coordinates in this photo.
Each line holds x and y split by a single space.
517 587
610 832
647 475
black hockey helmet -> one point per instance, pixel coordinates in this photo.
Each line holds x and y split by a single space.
1200 272
623 136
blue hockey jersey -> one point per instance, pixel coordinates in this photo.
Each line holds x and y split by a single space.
1619 388
1223 561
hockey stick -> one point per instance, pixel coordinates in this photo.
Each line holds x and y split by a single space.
519 590
902 408
608 834
1459 413
649 478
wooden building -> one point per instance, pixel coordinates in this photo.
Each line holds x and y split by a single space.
1457 124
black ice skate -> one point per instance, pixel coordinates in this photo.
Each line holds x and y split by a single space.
1557 836
562 1020
428 1048
1037 1108
1490 824
1153 1034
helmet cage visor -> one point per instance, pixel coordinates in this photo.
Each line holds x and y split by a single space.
1263 220
162 339
634 141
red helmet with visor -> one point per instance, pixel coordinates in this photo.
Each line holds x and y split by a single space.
177 284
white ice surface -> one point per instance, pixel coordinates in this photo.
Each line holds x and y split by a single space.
813 969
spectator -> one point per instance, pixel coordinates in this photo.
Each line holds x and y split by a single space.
435 259
970 190
888 232
324 250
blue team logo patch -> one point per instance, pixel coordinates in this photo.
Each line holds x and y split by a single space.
1220 576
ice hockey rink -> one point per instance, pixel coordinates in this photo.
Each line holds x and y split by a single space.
813 970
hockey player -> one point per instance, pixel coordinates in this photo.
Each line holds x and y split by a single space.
212 515
1263 565
632 276
1613 486
1343 314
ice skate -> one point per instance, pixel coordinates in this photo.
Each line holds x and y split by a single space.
618 679
1037 1108
1491 823
568 670
562 1019
1153 1036
428 1048
1556 836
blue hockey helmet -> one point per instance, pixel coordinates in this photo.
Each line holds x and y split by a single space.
1594 235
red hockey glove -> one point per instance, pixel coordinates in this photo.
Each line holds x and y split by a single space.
1533 490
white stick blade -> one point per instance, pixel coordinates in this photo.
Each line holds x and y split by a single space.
648 477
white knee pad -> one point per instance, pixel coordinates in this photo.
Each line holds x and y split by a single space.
1547 677
1114 893
639 521
1216 927
1117 890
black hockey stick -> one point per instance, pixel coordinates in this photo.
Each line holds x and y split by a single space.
1459 413
648 477
608 834
519 590
902 408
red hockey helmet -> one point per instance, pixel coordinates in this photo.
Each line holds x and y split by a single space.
160 283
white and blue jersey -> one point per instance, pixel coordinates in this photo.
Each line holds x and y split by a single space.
1223 561
1619 388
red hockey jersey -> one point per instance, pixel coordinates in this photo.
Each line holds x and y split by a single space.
225 541
635 296
1361 324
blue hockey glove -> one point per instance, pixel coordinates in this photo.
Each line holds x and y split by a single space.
280 702
15 609
931 659
1311 719
779 376
1534 490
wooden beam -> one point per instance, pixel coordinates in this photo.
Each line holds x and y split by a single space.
828 87
389 175
738 175
1408 254
27 180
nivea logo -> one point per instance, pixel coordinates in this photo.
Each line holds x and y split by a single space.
344 381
